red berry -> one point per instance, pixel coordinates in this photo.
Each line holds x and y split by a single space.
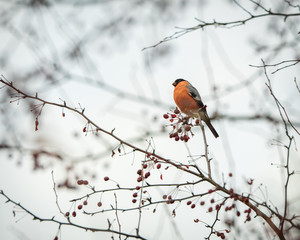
80 182
67 214
134 194
212 200
36 124
145 165
134 200
176 111
79 207
158 166
85 202
197 121
193 205
217 207
85 182
137 187
74 214
189 203
84 129
147 174
56 238
177 138
230 174
202 203
99 204
238 213
186 138
139 179
187 128
166 116
106 178
173 115
210 209
165 196
139 172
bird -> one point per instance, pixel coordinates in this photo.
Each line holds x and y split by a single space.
188 100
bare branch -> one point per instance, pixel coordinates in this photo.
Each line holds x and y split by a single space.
230 24
60 223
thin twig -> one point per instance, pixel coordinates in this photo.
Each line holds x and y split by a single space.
56 196
285 113
291 63
116 212
287 166
296 84
206 150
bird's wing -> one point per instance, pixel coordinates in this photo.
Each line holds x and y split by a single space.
193 92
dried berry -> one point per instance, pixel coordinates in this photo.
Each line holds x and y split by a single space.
106 178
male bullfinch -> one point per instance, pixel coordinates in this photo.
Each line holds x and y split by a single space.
188 99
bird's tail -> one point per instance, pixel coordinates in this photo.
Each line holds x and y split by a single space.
212 129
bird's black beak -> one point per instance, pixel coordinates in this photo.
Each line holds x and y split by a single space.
174 84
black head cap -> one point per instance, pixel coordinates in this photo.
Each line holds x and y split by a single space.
177 81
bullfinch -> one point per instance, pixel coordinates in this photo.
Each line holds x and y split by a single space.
188 100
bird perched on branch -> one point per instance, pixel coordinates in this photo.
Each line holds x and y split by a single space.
188 99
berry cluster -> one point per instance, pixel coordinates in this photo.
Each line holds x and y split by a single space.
82 182
220 234
169 199
79 207
150 162
181 126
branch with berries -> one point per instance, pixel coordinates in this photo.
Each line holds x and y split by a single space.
227 200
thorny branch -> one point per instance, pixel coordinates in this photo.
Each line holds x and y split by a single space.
289 173
279 106
285 63
230 24
69 223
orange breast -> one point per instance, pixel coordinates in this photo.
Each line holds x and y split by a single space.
183 100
